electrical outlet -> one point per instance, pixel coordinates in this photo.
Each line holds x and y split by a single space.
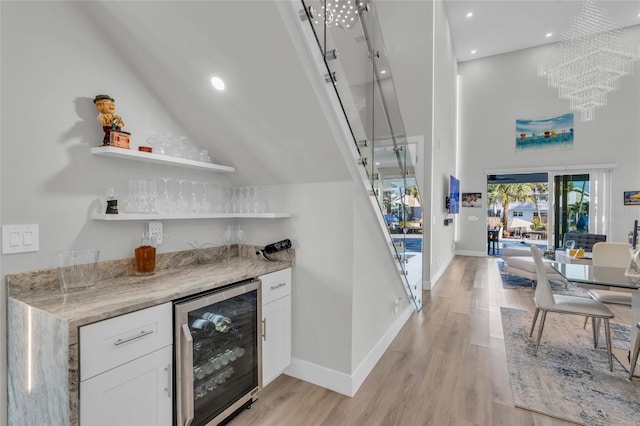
396 305
155 232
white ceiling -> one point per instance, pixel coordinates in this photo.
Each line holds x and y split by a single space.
501 26
268 124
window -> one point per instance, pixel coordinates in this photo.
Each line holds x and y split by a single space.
518 214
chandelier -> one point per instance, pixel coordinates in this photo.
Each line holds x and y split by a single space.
590 60
341 13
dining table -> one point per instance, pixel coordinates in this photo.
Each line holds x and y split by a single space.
607 278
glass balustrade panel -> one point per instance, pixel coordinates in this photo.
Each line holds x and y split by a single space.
349 37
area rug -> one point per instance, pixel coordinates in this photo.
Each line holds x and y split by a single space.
513 281
569 379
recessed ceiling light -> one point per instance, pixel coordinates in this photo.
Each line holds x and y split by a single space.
218 84
547 35
469 15
377 164
473 52
383 72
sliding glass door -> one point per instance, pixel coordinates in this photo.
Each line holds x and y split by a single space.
571 205
581 202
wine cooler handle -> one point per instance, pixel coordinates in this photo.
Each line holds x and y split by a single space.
187 374
264 329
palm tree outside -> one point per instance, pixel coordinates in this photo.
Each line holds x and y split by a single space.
508 193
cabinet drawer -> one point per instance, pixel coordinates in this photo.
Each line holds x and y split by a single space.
115 341
276 285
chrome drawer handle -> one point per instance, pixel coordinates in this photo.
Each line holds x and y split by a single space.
273 287
128 339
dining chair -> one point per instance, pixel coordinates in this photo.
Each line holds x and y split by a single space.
636 351
546 302
615 255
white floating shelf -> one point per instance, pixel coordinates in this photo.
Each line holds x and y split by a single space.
110 151
133 216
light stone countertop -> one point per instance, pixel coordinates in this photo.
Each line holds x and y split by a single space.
124 293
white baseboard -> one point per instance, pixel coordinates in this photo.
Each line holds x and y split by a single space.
341 382
430 284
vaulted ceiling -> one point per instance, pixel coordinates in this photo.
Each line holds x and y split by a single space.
500 26
268 123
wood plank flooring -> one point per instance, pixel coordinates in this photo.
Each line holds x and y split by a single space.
447 366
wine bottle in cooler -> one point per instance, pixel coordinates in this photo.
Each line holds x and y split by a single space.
203 326
220 322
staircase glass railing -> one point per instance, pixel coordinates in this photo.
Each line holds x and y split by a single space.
348 35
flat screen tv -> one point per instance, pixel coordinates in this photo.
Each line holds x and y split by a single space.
454 195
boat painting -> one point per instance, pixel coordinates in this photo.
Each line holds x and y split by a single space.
545 134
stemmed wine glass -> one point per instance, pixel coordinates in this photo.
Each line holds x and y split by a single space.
239 234
182 200
164 198
227 237
569 245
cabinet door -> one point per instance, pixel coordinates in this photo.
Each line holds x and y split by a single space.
276 340
138 393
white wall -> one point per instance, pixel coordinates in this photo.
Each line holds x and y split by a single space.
50 72
496 91
444 140
373 303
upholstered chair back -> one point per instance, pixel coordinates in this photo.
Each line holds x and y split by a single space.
543 296
611 254
584 240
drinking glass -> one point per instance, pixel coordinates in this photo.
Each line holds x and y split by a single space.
213 196
239 234
569 244
165 202
204 156
151 196
246 200
236 200
182 199
135 196
227 237
202 195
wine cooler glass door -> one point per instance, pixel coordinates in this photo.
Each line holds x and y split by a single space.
218 354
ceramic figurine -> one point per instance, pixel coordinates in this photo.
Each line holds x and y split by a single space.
112 123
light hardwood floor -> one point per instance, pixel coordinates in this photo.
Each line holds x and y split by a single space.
447 366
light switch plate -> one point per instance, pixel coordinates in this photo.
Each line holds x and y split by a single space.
20 238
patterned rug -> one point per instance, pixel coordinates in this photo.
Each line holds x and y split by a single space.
512 281
569 379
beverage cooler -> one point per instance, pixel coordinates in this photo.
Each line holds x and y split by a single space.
218 353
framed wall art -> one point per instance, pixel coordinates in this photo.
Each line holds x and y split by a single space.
472 199
545 134
632 198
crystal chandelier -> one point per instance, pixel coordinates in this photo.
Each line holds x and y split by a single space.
341 13
590 60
